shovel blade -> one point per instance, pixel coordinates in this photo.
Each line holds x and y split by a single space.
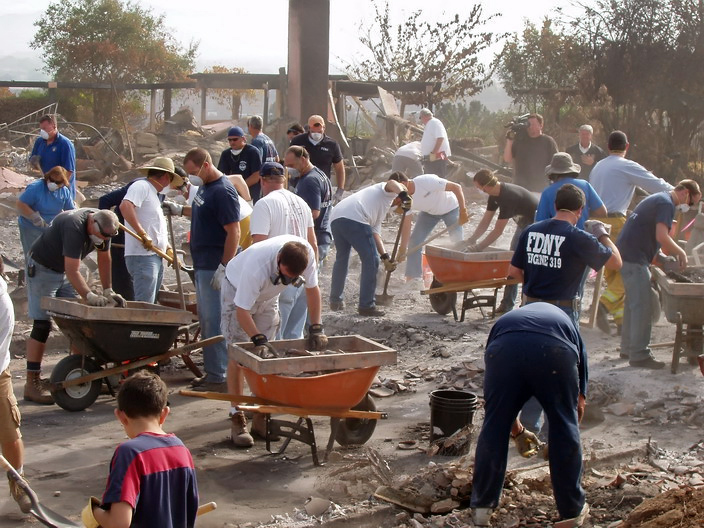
50 518
384 299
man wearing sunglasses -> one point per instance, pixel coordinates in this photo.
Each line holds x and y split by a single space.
53 271
325 152
243 159
249 297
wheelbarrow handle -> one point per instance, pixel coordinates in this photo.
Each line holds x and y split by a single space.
206 508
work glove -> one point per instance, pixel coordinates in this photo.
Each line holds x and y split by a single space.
171 208
337 196
37 220
667 262
170 253
464 217
263 348
596 228
93 299
389 265
406 200
317 340
87 516
146 241
527 443
216 281
35 162
473 248
510 134
114 299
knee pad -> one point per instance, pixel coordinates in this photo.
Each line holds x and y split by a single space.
41 330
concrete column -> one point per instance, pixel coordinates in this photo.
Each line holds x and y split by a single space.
308 57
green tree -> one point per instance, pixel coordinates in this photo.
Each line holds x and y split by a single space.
415 50
109 41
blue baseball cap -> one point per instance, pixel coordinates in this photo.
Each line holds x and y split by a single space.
271 169
235 132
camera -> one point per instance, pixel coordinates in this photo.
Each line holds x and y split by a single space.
516 126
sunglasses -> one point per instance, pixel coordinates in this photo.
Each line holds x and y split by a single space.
106 235
233 140
280 278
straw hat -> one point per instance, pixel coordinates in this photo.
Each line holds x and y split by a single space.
166 165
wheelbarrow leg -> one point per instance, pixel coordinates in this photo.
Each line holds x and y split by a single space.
334 426
676 349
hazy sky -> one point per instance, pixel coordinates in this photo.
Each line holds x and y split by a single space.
250 34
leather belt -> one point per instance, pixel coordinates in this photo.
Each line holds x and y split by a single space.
566 303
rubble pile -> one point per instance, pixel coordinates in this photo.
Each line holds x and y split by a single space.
681 406
683 508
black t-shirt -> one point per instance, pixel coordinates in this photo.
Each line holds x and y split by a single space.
576 153
66 237
245 163
513 201
322 155
530 157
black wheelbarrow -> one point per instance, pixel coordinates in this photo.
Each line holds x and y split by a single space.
110 341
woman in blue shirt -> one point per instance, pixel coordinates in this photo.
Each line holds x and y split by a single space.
40 202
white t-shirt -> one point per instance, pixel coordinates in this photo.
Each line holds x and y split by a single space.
431 197
410 150
432 131
148 209
281 213
7 323
251 271
368 206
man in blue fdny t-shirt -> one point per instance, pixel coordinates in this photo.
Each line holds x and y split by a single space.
645 231
215 235
534 351
243 159
261 141
52 149
152 479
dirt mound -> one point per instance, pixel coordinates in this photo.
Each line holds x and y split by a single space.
683 508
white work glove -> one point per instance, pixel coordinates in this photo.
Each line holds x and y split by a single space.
217 277
337 196
93 299
172 208
527 443
114 299
37 219
596 228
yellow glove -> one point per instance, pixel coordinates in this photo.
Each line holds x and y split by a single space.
170 254
87 516
464 217
526 443
146 241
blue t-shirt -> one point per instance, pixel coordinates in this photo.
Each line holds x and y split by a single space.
155 475
637 242
544 319
546 206
60 152
245 163
48 204
215 205
316 190
266 147
553 255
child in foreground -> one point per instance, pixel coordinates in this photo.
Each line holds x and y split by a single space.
152 481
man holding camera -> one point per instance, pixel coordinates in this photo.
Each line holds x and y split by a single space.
530 151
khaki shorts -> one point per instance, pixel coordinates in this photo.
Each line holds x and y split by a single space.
265 315
9 412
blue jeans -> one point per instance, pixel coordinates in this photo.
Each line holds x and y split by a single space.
208 298
147 272
437 167
45 283
349 234
424 225
637 321
29 233
293 310
511 291
518 366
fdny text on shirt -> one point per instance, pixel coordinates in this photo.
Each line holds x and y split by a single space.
544 250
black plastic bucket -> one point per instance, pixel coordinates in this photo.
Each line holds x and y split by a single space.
450 411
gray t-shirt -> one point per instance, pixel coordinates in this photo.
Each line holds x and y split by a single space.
66 237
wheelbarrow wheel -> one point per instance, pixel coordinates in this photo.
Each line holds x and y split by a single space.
75 397
442 303
356 431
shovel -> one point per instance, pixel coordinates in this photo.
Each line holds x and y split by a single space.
384 299
43 514
159 252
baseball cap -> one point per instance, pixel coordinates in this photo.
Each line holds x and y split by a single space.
271 168
235 132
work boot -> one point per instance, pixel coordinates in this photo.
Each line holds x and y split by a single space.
337 306
481 516
20 496
33 390
238 430
602 319
371 311
259 428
